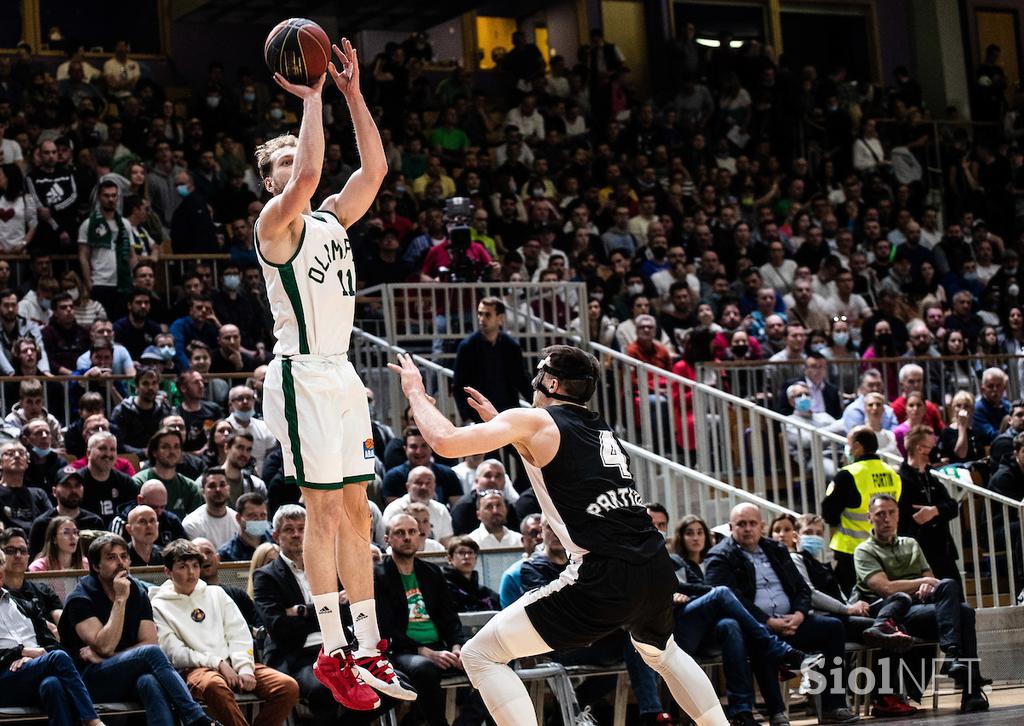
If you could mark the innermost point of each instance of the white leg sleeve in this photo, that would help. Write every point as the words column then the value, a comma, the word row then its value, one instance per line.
column 508, row 635
column 686, row 680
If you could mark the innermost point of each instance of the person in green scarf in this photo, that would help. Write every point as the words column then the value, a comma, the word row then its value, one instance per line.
column 105, row 252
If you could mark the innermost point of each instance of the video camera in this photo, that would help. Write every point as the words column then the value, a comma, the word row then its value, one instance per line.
column 458, row 211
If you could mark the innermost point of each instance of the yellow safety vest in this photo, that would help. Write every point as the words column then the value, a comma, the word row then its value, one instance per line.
column 871, row 476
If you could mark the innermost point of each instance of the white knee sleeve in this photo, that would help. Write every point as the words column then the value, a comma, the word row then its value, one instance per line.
column 686, row 680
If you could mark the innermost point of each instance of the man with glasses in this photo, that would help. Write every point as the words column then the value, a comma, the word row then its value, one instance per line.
column 20, row 504
column 242, row 404
column 34, row 594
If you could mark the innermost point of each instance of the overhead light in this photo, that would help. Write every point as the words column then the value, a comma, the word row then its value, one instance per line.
column 713, row 43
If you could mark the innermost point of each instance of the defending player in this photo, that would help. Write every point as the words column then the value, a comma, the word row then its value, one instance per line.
column 314, row 402
column 621, row 574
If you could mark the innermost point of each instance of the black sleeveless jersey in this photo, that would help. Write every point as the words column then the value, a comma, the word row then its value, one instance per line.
column 587, row 493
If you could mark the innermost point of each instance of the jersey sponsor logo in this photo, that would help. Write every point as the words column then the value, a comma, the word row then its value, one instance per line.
column 615, row 499
column 331, row 252
column 368, row 449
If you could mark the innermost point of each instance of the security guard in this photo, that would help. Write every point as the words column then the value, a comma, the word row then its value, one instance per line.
column 845, row 506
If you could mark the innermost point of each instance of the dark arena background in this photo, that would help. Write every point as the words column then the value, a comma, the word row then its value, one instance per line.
column 790, row 231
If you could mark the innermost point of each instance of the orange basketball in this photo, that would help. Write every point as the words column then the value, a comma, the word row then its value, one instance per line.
column 298, row 49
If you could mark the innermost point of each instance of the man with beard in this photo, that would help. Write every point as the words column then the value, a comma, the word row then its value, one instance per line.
column 137, row 330
column 106, row 489
column 64, row 339
column 53, row 185
column 199, row 414
column 108, row 629
column 68, row 492
column 214, row 521
column 164, row 456
column 105, row 251
column 139, row 416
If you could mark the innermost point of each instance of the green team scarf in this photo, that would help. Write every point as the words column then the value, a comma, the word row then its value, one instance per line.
column 99, row 236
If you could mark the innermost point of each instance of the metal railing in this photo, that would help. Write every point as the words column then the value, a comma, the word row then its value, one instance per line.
column 434, row 318
column 788, row 461
column 681, row 489
column 764, row 381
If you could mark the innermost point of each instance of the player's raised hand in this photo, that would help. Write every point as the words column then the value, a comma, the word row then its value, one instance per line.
column 347, row 79
column 300, row 90
column 412, row 381
column 480, row 403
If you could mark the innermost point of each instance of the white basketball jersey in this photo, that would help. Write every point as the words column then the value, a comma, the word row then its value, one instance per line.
column 313, row 295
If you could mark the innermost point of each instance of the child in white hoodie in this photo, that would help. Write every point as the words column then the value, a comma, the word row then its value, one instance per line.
column 205, row 636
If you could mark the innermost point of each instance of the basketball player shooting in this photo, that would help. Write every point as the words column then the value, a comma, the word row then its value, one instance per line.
column 620, row 576
column 314, row 402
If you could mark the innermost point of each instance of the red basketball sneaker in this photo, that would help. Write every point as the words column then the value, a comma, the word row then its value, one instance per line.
column 338, row 674
column 376, row 671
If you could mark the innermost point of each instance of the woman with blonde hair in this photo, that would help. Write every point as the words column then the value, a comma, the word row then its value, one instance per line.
column 264, row 554
column 87, row 310
column 957, row 443
column 62, row 548
column 874, row 411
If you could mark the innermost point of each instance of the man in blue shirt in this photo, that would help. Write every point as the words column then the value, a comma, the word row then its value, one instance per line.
column 992, row 407
column 199, row 324
column 107, row 627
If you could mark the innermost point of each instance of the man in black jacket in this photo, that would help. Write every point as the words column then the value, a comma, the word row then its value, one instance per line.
column 418, row 617
column 285, row 605
column 762, row 575
column 36, row 671
column 824, row 394
column 1001, row 451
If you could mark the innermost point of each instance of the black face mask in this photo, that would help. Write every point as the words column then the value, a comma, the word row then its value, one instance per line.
column 740, row 351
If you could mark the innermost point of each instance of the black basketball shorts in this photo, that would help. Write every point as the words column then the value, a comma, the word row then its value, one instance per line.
column 606, row 595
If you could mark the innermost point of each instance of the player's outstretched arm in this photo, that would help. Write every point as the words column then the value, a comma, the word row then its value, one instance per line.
column 361, row 188
column 515, row 426
column 307, row 163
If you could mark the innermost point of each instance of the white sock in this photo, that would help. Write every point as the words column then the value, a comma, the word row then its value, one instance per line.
column 364, row 621
column 328, row 614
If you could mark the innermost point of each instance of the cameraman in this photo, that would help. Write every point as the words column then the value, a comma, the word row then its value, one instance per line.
column 459, row 259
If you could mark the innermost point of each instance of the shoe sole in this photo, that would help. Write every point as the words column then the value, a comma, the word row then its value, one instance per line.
column 392, row 690
column 339, row 698
column 895, row 643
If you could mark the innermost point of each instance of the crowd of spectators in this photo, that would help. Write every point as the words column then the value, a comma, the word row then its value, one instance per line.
column 751, row 211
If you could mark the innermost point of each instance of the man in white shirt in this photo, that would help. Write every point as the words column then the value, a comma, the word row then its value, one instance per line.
column 847, row 302
column 242, row 402
column 420, row 487
column 204, row 634
column 121, row 73
column 492, row 512
column 215, row 520
column 648, row 213
column 527, row 119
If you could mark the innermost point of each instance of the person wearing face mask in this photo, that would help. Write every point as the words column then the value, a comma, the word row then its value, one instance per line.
column 242, row 403
column 800, row 440
column 846, row 501
column 37, row 305
column 192, row 227
column 232, row 304
column 44, row 463
column 253, row 529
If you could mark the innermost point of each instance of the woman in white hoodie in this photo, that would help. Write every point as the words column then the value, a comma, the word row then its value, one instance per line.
column 205, row 636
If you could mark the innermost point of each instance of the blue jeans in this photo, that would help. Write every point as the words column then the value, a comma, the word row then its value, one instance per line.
column 51, row 680
column 144, row 674
column 719, row 618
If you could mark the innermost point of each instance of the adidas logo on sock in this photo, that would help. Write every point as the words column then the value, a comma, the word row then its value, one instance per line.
column 323, row 611
column 362, row 616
